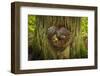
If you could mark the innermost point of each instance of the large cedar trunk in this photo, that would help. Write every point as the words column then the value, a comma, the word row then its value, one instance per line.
column 41, row 45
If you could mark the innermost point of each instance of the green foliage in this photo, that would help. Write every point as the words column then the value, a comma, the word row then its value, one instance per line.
column 84, row 36
column 84, row 26
column 31, row 28
column 31, row 23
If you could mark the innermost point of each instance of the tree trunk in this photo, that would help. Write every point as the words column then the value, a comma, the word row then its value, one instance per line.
column 41, row 40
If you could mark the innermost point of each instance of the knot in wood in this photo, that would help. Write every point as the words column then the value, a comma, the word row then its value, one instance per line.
column 58, row 37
